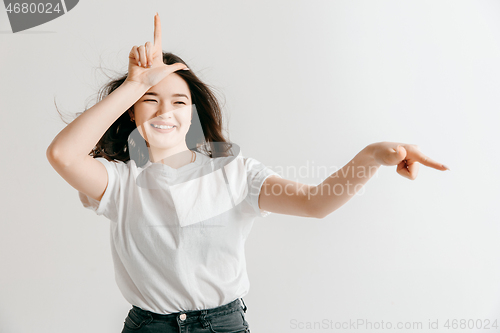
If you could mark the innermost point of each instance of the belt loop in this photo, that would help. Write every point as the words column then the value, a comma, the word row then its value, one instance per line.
column 203, row 321
column 244, row 305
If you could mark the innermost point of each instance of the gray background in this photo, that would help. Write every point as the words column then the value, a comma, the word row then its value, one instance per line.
column 304, row 84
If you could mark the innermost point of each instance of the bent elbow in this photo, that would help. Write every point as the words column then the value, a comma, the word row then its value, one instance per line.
column 50, row 154
column 316, row 213
column 320, row 216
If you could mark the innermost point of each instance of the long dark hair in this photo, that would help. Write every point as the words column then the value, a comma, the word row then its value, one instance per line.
column 114, row 144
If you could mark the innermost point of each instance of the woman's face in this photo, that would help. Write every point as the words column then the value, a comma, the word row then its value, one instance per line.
column 168, row 102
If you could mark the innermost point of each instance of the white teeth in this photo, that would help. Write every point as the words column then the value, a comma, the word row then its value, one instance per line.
column 162, row 126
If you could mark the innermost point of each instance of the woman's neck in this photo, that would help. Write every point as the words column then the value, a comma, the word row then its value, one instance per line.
column 174, row 159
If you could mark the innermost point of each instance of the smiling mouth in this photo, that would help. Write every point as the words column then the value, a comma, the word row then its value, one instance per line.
column 162, row 126
column 163, row 129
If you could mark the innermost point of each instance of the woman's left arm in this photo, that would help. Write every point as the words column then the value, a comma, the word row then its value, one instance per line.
column 283, row 196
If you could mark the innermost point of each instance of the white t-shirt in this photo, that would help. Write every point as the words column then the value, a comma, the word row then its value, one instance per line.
column 177, row 235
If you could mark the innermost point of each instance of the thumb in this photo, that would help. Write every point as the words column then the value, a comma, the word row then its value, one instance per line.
column 169, row 69
column 398, row 155
column 179, row 65
column 173, row 67
column 159, row 73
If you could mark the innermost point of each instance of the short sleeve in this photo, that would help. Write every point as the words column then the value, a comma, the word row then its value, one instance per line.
column 108, row 204
column 257, row 173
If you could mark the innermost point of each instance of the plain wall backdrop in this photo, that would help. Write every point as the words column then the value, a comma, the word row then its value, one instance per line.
column 303, row 84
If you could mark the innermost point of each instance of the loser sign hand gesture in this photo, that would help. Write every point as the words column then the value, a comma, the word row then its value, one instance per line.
column 146, row 65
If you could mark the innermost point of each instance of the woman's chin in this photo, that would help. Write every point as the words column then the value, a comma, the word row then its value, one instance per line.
column 160, row 146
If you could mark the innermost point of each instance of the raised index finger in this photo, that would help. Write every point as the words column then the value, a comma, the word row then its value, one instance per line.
column 157, row 36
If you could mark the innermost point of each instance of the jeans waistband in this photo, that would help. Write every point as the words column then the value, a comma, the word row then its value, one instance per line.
column 195, row 313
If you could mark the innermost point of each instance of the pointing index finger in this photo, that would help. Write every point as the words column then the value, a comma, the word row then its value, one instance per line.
column 428, row 161
column 157, row 34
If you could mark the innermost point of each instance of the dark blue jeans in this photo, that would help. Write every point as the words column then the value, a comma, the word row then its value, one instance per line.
column 229, row 318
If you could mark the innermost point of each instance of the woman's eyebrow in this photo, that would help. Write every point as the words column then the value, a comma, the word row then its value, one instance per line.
column 179, row 95
column 173, row 95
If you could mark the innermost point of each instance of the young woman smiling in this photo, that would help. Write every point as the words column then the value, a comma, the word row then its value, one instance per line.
column 181, row 205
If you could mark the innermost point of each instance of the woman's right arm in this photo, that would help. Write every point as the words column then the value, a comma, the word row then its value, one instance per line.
column 79, row 137
column 69, row 151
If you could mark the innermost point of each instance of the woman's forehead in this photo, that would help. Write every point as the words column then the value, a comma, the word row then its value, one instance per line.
column 172, row 84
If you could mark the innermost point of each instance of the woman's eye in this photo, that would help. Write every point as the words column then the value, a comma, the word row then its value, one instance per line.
column 153, row 100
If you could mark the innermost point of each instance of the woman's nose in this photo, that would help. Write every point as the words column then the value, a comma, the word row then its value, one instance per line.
column 165, row 112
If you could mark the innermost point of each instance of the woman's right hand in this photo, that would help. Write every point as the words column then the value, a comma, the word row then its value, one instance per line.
column 146, row 65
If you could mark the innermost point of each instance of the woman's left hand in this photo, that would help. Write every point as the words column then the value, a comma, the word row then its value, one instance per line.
column 406, row 156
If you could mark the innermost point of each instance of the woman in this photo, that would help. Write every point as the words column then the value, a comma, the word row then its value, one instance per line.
column 181, row 199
